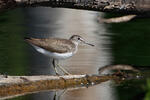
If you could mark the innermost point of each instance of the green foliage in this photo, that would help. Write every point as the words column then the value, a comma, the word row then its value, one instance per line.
column 147, row 97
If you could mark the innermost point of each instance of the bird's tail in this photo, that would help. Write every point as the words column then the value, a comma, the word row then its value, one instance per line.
column 27, row 39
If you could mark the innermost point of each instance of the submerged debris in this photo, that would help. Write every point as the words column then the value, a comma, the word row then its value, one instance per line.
column 117, row 67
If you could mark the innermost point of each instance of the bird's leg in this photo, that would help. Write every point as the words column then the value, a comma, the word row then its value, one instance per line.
column 58, row 96
column 54, row 65
column 62, row 69
column 55, row 95
column 63, row 92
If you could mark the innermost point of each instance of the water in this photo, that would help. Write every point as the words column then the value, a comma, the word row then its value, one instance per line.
column 123, row 43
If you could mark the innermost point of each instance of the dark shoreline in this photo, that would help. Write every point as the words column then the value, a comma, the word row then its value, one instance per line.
column 110, row 7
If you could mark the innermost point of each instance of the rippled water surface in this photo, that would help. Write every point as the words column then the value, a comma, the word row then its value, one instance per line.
column 122, row 43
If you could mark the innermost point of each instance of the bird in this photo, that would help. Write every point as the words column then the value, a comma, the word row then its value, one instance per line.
column 57, row 48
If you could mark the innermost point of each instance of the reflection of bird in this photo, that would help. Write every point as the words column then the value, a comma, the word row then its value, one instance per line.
column 57, row 48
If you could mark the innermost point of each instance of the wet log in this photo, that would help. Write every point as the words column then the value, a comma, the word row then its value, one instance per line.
column 118, row 19
column 19, row 85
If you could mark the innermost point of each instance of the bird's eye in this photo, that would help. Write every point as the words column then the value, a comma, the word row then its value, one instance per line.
column 78, row 38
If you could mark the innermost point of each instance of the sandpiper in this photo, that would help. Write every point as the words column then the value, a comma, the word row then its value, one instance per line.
column 57, row 48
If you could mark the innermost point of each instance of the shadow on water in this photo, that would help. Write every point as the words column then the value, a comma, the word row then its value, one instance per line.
column 122, row 43
column 130, row 45
column 12, row 57
column 131, row 42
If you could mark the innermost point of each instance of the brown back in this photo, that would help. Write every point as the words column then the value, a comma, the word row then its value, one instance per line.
column 53, row 44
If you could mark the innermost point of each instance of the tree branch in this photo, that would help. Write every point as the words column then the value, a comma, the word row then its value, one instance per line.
column 18, row 85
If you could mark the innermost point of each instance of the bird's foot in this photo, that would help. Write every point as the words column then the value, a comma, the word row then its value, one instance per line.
column 67, row 73
column 63, row 70
column 57, row 74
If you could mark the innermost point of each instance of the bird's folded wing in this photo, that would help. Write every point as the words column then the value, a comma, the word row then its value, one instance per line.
column 53, row 44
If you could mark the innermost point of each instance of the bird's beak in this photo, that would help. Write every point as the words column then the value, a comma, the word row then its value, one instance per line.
column 88, row 43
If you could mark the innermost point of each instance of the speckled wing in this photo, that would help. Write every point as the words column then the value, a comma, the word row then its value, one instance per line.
column 53, row 44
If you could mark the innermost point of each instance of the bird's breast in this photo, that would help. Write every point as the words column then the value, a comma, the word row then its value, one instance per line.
column 54, row 55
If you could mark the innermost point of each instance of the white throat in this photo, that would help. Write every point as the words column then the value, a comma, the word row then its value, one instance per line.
column 76, row 43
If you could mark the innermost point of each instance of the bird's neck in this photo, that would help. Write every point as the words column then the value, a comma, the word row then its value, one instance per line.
column 75, row 42
column 76, row 45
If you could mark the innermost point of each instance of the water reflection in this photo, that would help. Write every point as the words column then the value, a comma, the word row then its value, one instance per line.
column 63, row 23
column 123, row 43
column 44, row 96
column 12, row 55
column 131, row 46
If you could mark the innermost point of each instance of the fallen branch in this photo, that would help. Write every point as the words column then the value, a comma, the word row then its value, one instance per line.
column 18, row 85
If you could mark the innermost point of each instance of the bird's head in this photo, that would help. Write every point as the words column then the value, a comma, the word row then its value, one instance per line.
column 78, row 39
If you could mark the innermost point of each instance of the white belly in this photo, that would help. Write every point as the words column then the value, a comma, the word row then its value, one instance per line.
column 53, row 54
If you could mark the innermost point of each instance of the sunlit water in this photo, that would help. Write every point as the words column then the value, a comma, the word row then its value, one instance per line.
column 124, row 43
column 64, row 23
